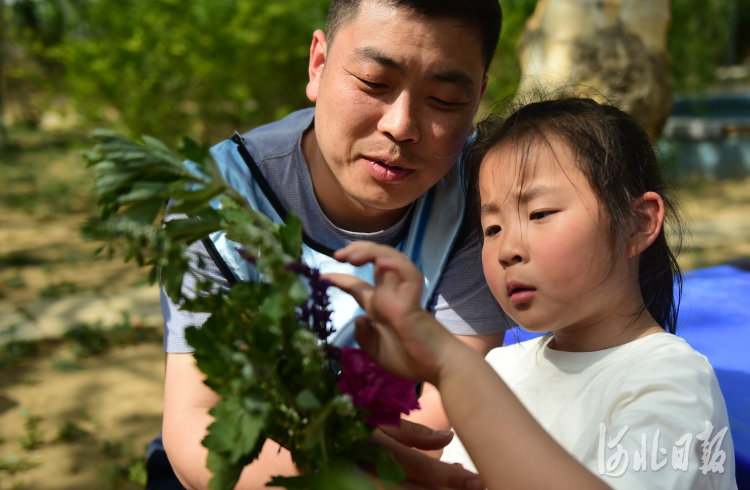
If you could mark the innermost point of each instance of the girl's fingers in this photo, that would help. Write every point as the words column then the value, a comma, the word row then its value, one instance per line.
column 359, row 253
column 360, row 290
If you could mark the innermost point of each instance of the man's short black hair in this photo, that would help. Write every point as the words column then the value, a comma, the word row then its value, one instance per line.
column 485, row 16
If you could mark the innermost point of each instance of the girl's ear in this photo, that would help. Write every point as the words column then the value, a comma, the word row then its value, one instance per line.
column 650, row 210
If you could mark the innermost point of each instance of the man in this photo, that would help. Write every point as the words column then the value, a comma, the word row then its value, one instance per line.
column 396, row 84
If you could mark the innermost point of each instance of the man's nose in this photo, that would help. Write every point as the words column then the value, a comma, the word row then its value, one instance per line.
column 400, row 119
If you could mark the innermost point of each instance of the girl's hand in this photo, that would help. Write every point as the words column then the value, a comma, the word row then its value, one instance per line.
column 397, row 333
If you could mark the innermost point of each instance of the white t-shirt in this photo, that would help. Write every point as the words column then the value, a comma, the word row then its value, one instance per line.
column 657, row 389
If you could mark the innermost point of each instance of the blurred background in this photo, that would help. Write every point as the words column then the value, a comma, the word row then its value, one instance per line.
column 81, row 363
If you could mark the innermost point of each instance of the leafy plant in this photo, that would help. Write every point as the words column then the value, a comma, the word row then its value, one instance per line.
column 263, row 347
column 57, row 290
column 14, row 352
column 70, row 431
column 12, row 464
column 86, row 340
column 15, row 282
column 137, row 472
column 33, row 439
column 114, row 449
column 64, row 365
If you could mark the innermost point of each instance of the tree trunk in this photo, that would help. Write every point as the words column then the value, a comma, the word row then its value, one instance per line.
column 3, row 131
column 610, row 48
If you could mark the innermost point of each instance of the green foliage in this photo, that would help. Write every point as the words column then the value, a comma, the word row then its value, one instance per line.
column 14, row 352
column 191, row 66
column 33, row 439
column 64, row 365
column 269, row 369
column 53, row 291
column 15, row 282
column 137, row 472
column 114, row 449
column 505, row 74
column 12, row 464
column 696, row 42
column 85, row 339
column 70, row 431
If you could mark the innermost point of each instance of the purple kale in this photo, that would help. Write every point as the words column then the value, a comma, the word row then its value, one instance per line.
column 383, row 394
column 315, row 312
column 247, row 256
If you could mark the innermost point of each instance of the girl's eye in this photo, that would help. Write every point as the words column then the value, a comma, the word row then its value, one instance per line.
column 537, row 215
column 492, row 230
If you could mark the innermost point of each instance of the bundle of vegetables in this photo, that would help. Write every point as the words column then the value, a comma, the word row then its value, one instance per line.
column 264, row 347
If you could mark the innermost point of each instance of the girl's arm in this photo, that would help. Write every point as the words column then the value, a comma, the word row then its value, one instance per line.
column 510, row 449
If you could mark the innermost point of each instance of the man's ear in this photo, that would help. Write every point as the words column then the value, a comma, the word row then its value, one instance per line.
column 650, row 210
column 318, row 54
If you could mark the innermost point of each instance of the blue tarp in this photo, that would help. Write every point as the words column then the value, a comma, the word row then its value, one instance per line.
column 715, row 320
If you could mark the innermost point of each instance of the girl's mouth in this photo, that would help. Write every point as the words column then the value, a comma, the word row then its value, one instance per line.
column 519, row 292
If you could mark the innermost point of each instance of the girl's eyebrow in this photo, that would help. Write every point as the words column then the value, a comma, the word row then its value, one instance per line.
column 535, row 191
column 487, row 209
column 531, row 193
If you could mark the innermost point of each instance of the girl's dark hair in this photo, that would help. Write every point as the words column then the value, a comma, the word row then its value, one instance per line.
column 617, row 157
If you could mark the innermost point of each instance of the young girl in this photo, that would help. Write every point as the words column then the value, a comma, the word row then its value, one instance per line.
column 571, row 207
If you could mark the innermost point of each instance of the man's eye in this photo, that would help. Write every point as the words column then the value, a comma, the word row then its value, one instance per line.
column 373, row 85
column 536, row 215
column 492, row 230
column 445, row 103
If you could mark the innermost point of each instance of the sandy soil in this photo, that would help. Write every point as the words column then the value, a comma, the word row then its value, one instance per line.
column 118, row 398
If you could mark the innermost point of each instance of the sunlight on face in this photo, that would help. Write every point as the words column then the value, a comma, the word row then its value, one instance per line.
column 546, row 255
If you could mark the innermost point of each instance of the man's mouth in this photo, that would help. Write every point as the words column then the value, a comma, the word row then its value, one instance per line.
column 386, row 173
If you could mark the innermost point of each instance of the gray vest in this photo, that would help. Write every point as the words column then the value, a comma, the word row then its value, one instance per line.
column 428, row 240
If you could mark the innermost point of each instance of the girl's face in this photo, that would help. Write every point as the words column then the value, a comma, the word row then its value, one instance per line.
column 546, row 255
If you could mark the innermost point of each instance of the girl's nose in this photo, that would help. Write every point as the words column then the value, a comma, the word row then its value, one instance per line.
column 512, row 249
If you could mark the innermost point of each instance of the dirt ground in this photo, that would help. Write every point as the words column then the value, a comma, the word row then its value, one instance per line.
column 117, row 399
column 45, row 195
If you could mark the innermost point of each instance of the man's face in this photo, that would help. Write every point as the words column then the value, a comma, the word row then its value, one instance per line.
column 395, row 96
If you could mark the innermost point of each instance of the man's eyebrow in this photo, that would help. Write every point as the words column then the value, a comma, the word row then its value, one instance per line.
column 372, row 54
column 451, row 76
column 455, row 77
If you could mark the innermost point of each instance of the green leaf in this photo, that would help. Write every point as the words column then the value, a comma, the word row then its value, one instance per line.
column 225, row 473
column 316, row 430
column 331, row 479
column 192, row 150
column 388, row 469
column 236, row 430
column 291, row 236
column 142, row 191
column 146, row 211
column 307, row 400
column 297, row 292
column 191, row 229
column 273, row 306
